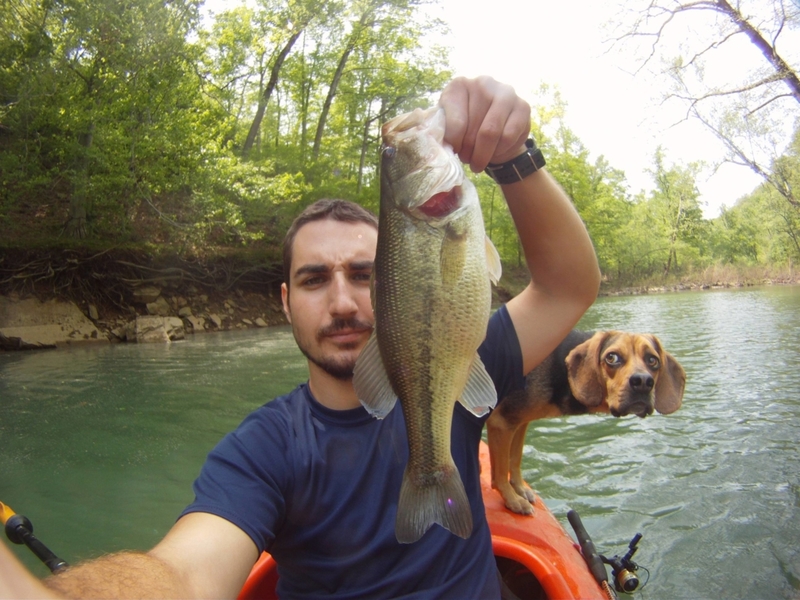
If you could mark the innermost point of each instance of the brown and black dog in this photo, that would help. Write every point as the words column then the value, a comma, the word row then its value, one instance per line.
column 608, row 371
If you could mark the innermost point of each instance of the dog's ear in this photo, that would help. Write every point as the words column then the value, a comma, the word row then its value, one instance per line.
column 583, row 368
column 670, row 382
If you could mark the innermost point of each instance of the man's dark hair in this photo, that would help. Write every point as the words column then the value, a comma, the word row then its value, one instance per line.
column 327, row 208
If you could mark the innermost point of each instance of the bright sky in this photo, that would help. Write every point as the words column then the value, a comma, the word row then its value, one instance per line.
column 560, row 42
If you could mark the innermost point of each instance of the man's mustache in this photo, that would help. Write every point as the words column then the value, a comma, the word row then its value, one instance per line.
column 338, row 325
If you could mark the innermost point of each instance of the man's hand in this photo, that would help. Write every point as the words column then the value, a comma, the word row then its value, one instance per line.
column 486, row 122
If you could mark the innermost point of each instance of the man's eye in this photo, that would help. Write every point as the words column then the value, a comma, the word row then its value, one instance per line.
column 362, row 276
column 312, row 281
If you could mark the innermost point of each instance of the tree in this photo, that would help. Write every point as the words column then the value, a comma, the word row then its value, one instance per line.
column 751, row 107
column 282, row 26
column 675, row 208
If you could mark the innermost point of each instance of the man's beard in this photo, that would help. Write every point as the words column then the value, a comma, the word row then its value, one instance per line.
column 339, row 368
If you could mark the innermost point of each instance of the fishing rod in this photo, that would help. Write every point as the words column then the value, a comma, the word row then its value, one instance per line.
column 623, row 569
column 19, row 530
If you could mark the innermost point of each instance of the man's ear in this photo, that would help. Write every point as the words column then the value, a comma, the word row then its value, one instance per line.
column 285, row 302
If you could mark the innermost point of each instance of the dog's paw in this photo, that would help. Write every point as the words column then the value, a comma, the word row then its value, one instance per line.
column 525, row 492
column 519, row 505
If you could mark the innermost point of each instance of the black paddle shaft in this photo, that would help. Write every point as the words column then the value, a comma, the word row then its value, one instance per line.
column 20, row 531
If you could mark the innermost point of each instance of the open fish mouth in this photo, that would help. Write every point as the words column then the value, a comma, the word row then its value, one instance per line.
column 442, row 204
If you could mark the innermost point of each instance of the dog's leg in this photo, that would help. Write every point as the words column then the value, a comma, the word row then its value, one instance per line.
column 500, row 435
column 517, row 482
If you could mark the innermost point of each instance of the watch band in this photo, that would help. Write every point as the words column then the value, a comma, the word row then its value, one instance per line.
column 517, row 168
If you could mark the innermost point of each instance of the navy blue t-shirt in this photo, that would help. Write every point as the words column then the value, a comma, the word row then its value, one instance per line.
column 318, row 489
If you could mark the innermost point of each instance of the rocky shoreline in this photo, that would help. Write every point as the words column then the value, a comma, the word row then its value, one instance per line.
column 154, row 314
column 168, row 313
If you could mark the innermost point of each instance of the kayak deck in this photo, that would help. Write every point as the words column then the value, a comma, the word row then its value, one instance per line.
column 536, row 557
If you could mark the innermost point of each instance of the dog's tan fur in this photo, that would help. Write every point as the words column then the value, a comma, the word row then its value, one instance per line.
column 608, row 371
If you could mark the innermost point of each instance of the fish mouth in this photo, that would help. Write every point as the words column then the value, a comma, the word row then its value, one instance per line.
column 442, row 204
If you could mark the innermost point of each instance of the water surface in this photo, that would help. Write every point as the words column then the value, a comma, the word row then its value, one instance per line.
column 99, row 445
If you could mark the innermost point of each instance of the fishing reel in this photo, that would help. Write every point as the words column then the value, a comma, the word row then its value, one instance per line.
column 623, row 569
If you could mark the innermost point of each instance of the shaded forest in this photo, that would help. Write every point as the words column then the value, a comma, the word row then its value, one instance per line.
column 150, row 138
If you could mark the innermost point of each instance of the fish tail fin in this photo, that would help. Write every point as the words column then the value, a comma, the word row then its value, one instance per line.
column 438, row 499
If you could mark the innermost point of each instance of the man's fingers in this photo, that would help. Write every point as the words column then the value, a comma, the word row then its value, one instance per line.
column 485, row 121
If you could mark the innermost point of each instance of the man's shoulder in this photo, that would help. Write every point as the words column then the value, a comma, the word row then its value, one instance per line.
column 280, row 410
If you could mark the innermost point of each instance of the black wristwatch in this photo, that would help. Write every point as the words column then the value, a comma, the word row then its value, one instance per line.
column 517, row 168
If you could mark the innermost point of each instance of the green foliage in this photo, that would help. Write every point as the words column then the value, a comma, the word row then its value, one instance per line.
column 127, row 122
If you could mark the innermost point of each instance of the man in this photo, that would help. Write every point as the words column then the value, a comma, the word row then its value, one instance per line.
column 310, row 476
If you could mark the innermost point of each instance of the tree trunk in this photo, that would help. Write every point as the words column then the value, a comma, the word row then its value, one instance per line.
column 366, row 21
column 323, row 117
column 769, row 52
column 79, row 200
column 264, row 100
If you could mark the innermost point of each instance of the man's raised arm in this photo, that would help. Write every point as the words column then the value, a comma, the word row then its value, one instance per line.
column 488, row 123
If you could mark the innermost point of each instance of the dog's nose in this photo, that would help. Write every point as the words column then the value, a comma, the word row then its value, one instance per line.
column 641, row 382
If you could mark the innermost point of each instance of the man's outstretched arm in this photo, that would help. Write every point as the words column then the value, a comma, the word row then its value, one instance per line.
column 203, row 556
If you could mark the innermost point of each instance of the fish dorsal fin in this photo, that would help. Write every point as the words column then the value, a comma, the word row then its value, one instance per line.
column 371, row 382
column 493, row 261
column 479, row 395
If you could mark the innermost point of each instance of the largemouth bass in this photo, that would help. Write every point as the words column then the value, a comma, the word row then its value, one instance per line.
column 431, row 293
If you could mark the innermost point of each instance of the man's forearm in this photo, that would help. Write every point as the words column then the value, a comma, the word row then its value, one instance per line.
column 557, row 247
column 16, row 582
column 562, row 262
column 122, row 575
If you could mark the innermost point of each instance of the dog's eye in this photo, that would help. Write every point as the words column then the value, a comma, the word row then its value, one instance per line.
column 652, row 361
column 613, row 359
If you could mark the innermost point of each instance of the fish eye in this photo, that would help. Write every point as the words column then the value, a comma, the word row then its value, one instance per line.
column 652, row 361
column 389, row 151
column 613, row 359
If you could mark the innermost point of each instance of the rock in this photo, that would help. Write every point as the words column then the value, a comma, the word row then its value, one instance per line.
column 261, row 322
column 195, row 323
column 186, row 311
column 45, row 323
column 216, row 320
column 159, row 308
column 247, row 322
column 146, row 294
column 15, row 343
column 174, row 328
column 93, row 314
column 156, row 329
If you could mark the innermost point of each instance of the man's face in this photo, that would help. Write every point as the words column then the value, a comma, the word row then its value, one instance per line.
column 328, row 303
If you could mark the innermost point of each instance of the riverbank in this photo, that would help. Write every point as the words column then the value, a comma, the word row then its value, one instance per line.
column 54, row 301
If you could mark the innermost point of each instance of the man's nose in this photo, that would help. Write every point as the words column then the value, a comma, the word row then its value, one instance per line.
column 342, row 296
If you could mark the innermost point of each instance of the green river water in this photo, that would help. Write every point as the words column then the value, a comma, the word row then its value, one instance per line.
column 99, row 444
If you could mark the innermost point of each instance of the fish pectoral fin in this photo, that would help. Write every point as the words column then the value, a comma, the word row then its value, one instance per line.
column 371, row 381
column 479, row 395
column 493, row 261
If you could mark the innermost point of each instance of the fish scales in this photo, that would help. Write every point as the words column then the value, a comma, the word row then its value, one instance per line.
column 432, row 298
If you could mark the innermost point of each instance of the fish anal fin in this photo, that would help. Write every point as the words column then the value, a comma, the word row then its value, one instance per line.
column 371, row 383
column 438, row 498
column 479, row 395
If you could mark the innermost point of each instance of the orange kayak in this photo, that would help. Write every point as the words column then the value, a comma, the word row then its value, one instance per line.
column 535, row 555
